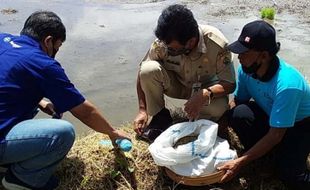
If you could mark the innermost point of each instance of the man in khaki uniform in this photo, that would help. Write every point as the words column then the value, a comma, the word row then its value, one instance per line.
column 186, row 61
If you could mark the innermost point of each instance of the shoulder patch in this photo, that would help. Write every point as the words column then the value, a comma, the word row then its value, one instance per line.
column 226, row 56
column 157, row 51
column 155, row 45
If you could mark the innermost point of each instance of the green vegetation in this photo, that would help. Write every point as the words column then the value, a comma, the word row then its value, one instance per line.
column 268, row 13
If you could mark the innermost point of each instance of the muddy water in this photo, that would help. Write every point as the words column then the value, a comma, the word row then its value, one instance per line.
column 107, row 39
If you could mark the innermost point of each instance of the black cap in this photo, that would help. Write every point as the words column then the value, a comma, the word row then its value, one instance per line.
column 258, row 35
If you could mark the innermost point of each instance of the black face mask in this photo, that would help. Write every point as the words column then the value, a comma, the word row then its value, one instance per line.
column 252, row 69
column 173, row 52
column 54, row 52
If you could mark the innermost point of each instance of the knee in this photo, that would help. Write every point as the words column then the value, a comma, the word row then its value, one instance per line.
column 219, row 111
column 65, row 135
column 293, row 181
column 241, row 113
column 288, row 171
column 149, row 69
column 288, row 176
column 217, row 108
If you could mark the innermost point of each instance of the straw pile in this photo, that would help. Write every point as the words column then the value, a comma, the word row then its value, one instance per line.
column 93, row 166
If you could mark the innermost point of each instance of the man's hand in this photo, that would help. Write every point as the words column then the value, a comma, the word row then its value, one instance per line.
column 231, row 168
column 140, row 122
column 47, row 107
column 118, row 134
column 195, row 104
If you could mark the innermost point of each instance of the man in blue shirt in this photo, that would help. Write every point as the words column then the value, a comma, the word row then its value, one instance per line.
column 271, row 107
column 29, row 76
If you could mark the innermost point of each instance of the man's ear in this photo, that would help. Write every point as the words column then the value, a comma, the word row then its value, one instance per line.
column 47, row 44
column 265, row 55
column 47, row 40
column 191, row 43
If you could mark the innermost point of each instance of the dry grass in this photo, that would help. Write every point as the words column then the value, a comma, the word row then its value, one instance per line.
column 92, row 166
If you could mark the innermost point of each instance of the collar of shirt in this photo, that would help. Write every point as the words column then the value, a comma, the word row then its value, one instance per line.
column 201, row 47
column 27, row 40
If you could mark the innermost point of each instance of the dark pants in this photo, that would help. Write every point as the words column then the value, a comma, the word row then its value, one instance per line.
column 251, row 123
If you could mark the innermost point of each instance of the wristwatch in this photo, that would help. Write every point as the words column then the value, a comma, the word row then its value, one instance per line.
column 211, row 95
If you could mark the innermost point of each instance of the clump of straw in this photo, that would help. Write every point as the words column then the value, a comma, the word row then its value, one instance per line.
column 91, row 166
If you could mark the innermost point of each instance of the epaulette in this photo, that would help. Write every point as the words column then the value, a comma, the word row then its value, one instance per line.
column 216, row 39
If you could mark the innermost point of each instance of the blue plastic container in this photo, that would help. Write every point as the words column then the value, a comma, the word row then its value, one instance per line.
column 124, row 144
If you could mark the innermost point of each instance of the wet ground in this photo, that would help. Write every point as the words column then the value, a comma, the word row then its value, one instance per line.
column 106, row 39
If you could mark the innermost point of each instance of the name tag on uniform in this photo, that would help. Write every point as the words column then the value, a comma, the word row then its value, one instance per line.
column 196, row 87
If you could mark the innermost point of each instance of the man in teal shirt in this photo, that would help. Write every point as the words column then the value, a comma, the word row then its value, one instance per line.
column 271, row 107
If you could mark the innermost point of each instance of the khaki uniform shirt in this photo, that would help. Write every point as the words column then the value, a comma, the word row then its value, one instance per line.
column 208, row 63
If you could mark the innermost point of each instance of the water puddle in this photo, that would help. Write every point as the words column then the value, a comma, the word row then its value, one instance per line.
column 107, row 39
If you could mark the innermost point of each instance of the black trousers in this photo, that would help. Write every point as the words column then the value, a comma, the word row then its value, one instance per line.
column 251, row 123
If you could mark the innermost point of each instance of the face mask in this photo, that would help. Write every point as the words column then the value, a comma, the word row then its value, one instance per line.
column 54, row 52
column 252, row 69
column 173, row 52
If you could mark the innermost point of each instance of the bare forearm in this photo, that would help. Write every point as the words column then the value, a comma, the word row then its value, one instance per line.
column 90, row 116
column 222, row 89
column 141, row 96
column 98, row 123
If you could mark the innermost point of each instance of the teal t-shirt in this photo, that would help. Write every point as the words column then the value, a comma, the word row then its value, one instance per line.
column 285, row 98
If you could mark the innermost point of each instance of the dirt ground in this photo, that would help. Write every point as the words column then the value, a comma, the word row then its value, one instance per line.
column 236, row 7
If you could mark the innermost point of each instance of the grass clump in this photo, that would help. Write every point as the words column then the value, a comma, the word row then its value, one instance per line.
column 268, row 13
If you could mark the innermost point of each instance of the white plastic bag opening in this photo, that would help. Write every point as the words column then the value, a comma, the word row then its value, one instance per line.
column 197, row 158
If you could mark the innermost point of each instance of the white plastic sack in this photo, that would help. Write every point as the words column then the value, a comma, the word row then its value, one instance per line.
column 196, row 158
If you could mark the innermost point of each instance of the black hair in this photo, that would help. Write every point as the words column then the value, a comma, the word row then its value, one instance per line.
column 275, row 50
column 41, row 24
column 176, row 22
column 272, row 50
